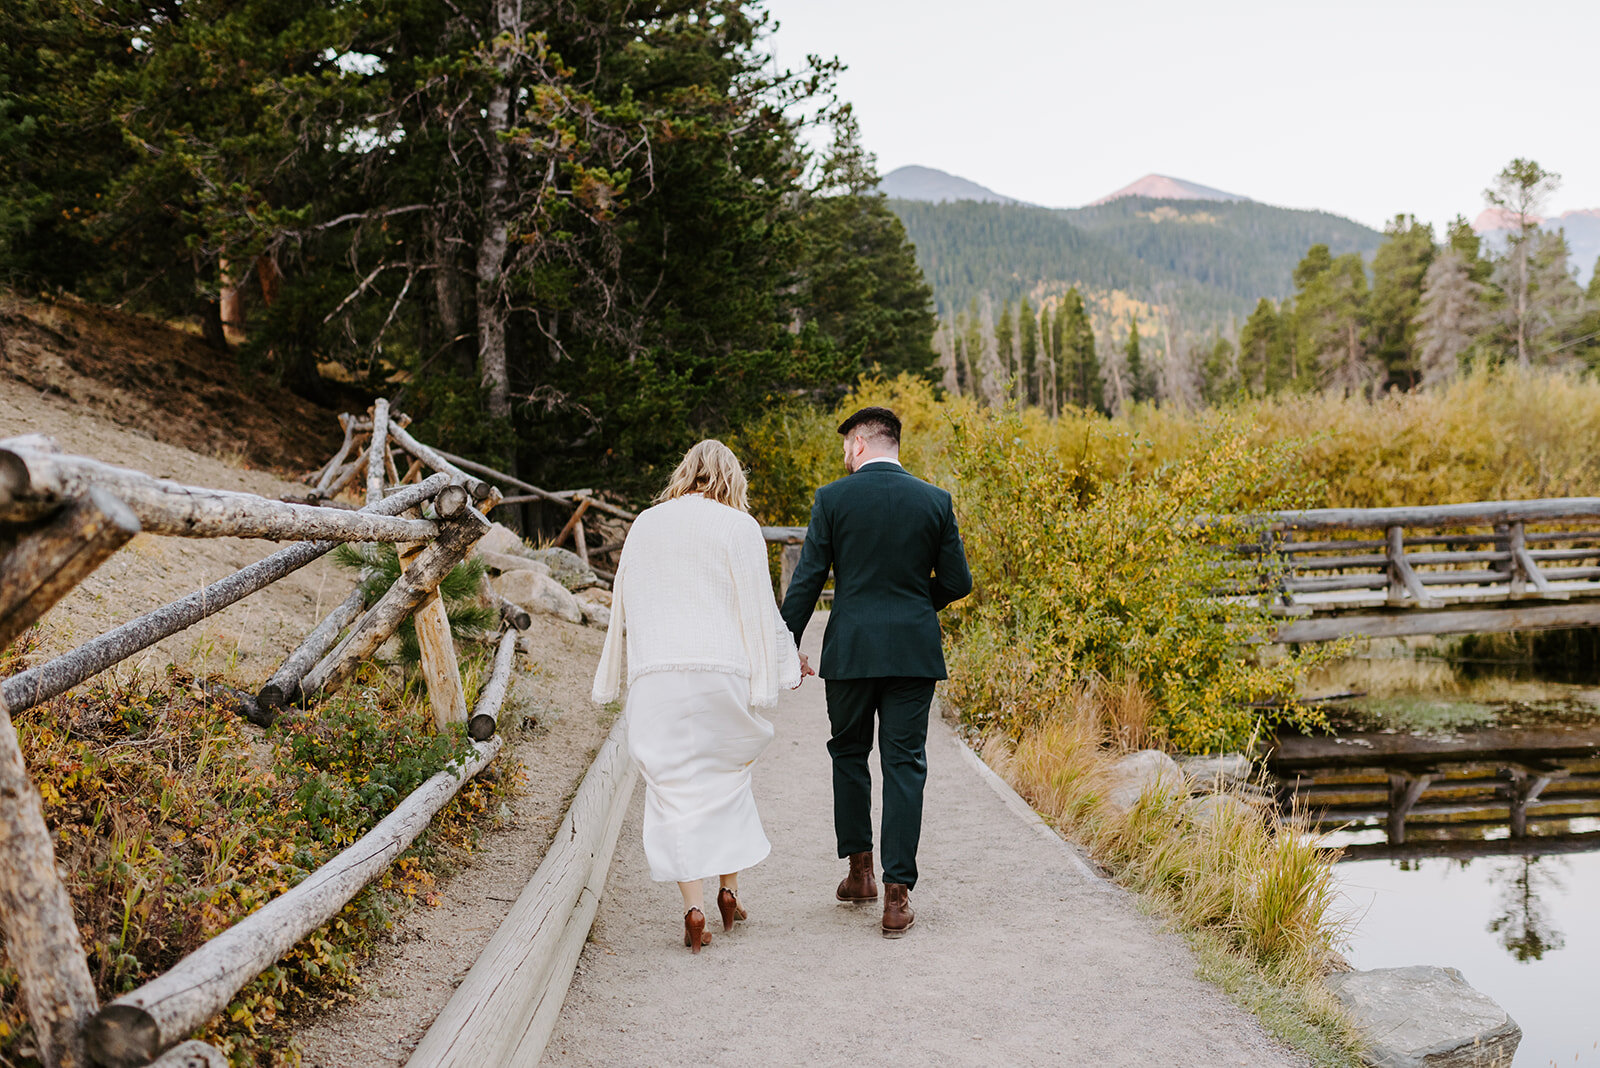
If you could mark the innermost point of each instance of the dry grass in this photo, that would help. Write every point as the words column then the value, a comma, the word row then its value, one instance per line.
column 1247, row 881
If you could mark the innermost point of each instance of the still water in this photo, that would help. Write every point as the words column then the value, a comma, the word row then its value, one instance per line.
column 1523, row 927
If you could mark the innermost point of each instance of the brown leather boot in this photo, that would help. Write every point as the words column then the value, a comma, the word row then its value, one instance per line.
column 859, row 885
column 897, row 914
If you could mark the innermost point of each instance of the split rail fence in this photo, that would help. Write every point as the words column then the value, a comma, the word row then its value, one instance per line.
column 61, row 516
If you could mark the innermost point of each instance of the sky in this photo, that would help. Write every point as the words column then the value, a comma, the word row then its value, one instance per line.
column 1365, row 108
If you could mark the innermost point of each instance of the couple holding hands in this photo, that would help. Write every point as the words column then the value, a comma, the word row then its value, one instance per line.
column 706, row 645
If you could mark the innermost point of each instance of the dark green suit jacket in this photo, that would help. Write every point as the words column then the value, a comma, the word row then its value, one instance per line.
column 892, row 543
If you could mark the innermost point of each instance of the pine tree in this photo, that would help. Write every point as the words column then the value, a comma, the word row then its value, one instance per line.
column 1466, row 243
column 1028, row 354
column 1081, row 383
column 1219, row 372
column 1519, row 191
column 1398, row 268
column 1046, row 373
column 1263, row 345
column 1138, row 378
column 1005, row 341
column 1333, row 311
column 1448, row 317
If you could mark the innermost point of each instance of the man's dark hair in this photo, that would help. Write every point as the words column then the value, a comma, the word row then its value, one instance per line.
column 879, row 423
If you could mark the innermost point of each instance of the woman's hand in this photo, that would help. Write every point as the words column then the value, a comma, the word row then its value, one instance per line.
column 805, row 666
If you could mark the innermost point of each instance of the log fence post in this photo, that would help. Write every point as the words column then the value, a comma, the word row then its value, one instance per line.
column 375, row 452
column 42, row 939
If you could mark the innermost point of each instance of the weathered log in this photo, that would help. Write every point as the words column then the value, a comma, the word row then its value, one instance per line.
column 574, row 521
column 1478, row 513
column 504, row 1010
column 514, row 614
column 534, row 492
column 94, row 656
column 193, row 1054
column 441, row 670
column 325, row 477
column 375, row 452
column 46, row 562
column 456, row 538
column 42, row 940
column 138, row 1026
column 784, row 535
column 284, row 685
column 486, row 716
column 347, row 475
column 437, row 460
column 188, row 511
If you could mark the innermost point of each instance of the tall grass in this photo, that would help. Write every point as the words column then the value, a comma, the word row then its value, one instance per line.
column 1248, row 883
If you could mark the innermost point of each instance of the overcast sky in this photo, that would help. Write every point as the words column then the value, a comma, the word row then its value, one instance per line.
column 1362, row 107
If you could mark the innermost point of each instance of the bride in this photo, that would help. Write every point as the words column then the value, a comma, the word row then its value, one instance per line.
column 693, row 605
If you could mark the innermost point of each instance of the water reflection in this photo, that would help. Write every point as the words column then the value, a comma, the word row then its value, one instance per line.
column 1467, row 802
column 1525, row 926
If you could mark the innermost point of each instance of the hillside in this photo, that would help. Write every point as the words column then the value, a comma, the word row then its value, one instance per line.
column 1209, row 259
column 936, row 186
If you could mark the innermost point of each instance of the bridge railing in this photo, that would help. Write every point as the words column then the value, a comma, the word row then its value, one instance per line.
column 61, row 516
column 1423, row 558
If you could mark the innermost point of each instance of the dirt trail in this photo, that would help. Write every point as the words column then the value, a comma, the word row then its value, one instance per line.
column 1020, row 955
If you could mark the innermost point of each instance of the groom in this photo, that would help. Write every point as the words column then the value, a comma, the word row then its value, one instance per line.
column 896, row 555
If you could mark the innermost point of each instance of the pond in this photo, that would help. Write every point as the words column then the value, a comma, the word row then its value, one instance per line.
column 1465, row 790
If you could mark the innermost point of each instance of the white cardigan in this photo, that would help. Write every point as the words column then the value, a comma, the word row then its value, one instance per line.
column 693, row 593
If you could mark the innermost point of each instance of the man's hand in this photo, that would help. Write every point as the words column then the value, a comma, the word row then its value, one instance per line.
column 805, row 666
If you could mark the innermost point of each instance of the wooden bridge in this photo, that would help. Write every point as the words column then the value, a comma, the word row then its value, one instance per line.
column 1441, row 569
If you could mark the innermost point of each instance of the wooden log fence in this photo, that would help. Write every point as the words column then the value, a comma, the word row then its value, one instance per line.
column 60, row 517
column 136, row 1027
column 505, row 1009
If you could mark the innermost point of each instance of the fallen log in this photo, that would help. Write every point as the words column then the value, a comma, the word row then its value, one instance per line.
column 504, row 1010
column 191, row 512
column 47, row 561
column 456, row 538
column 486, row 716
column 42, row 939
column 138, row 1026
column 92, row 657
column 514, row 614
column 193, row 1054
column 284, row 685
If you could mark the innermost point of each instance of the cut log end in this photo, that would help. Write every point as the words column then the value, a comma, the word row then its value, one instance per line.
column 482, row 727
column 192, row 1054
column 451, row 502
column 122, row 1036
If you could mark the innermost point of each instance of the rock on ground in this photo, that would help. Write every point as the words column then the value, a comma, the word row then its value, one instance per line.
column 502, row 562
column 1138, row 773
column 539, row 593
column 567, row 568
column 503, row 540
column 1206, row 770
column 1214, row 807
column 1426, row 1015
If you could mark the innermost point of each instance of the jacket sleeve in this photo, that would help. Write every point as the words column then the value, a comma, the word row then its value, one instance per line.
column 608, row 674
column 774, row 663
column 805, row 586
column 951, row 578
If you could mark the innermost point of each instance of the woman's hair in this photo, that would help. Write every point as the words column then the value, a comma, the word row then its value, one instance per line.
column 710, row 468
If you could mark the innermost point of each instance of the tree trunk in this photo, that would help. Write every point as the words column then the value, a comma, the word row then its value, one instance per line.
column 211, row 328
column 492, row 309
column 42, row 940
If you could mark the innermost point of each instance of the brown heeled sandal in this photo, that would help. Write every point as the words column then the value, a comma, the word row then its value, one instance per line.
column 732, row 911
column 695, row 935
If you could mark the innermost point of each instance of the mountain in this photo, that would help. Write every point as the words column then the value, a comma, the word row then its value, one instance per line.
column 1161, row 187
column 1582, row 229
column 935, row 186
column 1208, row 260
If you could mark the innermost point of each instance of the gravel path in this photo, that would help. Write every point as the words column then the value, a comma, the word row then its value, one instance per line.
column 1020, row 955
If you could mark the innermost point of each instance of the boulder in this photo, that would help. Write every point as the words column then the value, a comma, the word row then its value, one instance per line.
column 503, row 562
column 597, row 595
column 539, row 593
column 1134, row 774
column 1425, row 1015
column 566, row 567
column 502, row 539
column 1206, row 770
column 596, row 614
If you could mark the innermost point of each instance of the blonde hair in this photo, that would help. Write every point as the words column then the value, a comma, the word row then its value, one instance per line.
column 710, row 468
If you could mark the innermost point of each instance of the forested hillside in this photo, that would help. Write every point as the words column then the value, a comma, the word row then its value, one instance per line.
column 573, row 236
column 1209, row 259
